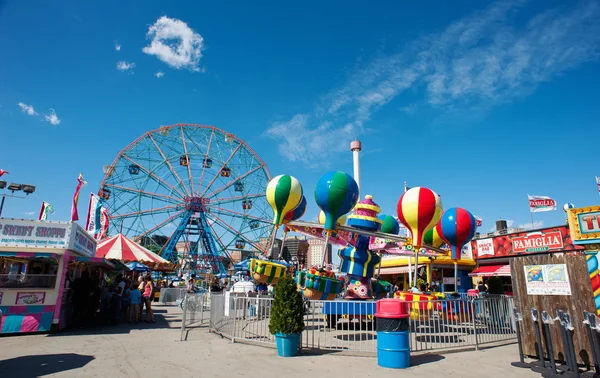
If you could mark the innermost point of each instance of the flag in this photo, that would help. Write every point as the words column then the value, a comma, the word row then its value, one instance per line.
column 478, row 221
column 46, row 210
column 541, row 203
column 103, row 224
column 597, row 183
column 92, row 223
column 80, row 183
column 3, row 172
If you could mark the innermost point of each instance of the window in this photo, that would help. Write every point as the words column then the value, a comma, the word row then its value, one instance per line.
column 27, row 273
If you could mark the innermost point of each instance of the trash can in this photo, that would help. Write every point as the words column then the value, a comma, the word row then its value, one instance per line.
column 393, row 333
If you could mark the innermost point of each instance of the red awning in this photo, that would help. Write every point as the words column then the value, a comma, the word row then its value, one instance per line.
column 491, row 271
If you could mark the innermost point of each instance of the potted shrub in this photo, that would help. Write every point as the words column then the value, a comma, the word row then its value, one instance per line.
column 287, row 316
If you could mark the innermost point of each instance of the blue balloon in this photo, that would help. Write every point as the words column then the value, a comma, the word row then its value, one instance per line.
column 298, row 212
column 457, row 227
column 336, row 194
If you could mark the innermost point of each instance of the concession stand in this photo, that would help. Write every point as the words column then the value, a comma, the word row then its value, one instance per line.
column 34, row 272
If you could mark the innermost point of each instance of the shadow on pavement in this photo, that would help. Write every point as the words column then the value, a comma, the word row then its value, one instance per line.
column 97, row 325
column 41, row 365
column 423, row 359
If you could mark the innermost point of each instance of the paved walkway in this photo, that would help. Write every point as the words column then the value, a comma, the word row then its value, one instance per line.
column 154, row 350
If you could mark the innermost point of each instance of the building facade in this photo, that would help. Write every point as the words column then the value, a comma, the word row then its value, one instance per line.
column 315, row 252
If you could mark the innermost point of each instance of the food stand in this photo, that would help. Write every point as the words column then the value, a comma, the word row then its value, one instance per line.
column 34, row 260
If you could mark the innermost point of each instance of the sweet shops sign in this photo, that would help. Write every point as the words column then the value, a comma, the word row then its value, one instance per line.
column 28, row 233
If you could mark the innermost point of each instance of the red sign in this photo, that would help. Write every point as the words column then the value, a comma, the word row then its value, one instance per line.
column 538, row 242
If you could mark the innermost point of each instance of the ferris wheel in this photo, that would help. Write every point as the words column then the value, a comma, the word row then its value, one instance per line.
column 195, row 193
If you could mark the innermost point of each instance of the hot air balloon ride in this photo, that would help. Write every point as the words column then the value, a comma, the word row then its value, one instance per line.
column 291, row 216
column 457, row 228
column 336, row 194
column 419, row 210
column 284, row 194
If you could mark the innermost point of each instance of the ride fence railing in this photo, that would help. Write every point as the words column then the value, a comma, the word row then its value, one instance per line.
column 350, row 326
column 171, row 295
column 196, row 312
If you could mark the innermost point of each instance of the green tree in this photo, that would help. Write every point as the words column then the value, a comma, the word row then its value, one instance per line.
column 287, row 314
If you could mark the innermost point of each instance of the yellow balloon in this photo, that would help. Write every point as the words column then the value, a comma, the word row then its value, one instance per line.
column 284, row 194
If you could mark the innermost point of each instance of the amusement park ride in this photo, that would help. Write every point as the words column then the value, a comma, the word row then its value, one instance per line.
column 201, row 190
column 192, row 193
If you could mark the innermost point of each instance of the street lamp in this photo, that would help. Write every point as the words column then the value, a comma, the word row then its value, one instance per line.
column 14, row 187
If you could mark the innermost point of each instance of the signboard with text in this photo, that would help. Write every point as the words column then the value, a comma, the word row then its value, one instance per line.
column 584, row 224
column 538, row 242
column 28, row 233
column 551, row 279
column 551, row 239
column 82, row 242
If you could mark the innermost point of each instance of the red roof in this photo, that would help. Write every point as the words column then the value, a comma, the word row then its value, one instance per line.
column 491, row 271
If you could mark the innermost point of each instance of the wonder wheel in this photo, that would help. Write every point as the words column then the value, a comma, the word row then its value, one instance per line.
column 192, row 193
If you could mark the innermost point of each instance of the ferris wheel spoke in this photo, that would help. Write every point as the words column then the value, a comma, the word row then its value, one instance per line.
column 163, row 183
column 219, row 190
column 151, row 195
column 224, row 211
column 166, row 221
column 221, row 201
column 205, row 157
column 160, row 210
column 223, row 166
column 216, row 235
column 173, row 172
column 189, row 168
column 225, row 225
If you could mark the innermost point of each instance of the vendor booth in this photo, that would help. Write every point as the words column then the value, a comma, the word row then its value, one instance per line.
column 34, row 264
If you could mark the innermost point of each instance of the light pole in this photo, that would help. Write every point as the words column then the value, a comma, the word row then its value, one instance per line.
column 25, row 188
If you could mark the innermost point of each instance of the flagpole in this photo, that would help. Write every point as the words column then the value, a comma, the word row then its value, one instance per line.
column 530, row 212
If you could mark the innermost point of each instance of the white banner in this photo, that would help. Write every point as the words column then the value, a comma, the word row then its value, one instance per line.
column 541, row 203
column 90, row 225
column 485, row 247
column 467, row 251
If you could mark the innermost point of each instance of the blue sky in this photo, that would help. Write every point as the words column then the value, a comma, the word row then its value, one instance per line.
column 482, row 101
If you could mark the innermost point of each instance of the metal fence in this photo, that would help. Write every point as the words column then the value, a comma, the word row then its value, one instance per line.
column 171, row 295
column 349, row 326
column 196, row 312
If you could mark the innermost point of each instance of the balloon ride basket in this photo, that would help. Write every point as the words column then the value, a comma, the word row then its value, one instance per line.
column 421, row 306
column 266, row 271
column 319, row 285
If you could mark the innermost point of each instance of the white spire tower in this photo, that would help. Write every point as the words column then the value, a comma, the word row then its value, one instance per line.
column 356, row 147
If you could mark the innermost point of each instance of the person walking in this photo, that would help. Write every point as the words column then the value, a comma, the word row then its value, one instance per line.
column 148, row 289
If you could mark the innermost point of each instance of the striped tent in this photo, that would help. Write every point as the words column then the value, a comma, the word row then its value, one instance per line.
column 121, row 248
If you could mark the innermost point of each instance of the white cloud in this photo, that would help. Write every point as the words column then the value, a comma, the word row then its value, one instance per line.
column 300, row 143
column 175, row 43
column 29, row 212
column 117, row 46
column 532, row 226
column 159, row 74
column 480, row 61
column 27, row 109
column 125, row 66
column 52, row 118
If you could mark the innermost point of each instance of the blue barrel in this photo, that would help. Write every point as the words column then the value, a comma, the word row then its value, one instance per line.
column 393, row 349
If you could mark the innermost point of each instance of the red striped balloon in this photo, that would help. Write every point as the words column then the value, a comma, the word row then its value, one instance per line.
column 419, row 209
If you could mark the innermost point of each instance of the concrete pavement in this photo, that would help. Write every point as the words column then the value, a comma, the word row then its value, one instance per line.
column 154, row 350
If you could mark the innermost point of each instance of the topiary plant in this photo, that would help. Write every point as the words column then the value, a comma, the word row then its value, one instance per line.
column 287, row 313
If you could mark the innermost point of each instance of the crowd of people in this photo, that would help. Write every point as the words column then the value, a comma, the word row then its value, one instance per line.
column 123, row 300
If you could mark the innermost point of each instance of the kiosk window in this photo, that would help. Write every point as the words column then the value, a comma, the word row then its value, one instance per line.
column 27, row 273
